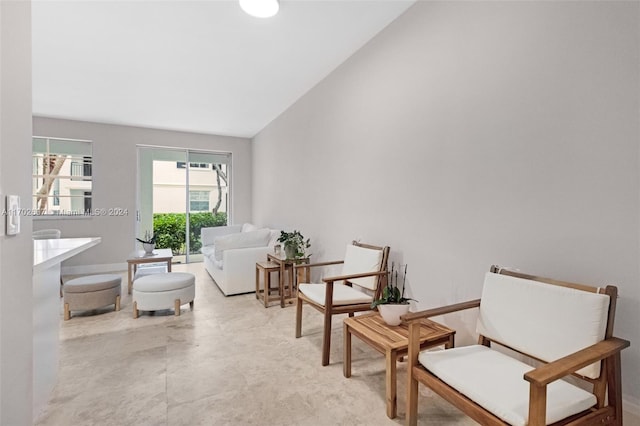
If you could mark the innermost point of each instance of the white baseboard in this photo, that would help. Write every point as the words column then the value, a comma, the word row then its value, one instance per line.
column 94, row 269
column 632, row 408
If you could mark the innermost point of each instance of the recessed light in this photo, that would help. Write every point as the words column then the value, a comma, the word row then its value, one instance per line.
column 260, row 8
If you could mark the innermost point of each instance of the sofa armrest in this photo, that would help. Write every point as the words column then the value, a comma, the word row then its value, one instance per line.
column 564, row 366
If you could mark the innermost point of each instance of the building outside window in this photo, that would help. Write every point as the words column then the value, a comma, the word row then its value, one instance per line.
column 199, row 201
column 183, row 165
column 62, row 176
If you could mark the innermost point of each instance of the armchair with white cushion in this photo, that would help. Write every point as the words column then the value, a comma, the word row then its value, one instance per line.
column 361, row 281
column 562, row 329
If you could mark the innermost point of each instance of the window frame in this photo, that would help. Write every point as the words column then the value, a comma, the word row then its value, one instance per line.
column 62, row 181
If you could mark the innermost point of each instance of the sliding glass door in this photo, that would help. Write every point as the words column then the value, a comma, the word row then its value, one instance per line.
column 179, row 192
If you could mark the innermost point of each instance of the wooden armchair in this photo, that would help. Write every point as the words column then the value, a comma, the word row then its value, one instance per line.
column 566, row 326
column 364, row 267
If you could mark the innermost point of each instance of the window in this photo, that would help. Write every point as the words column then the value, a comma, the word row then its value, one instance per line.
column 62, row 176
column 199, row 201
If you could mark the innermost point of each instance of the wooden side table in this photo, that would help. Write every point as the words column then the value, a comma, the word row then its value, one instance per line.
column 393, row 342
column 287, row 264
column 137, row 258
column 266, row 268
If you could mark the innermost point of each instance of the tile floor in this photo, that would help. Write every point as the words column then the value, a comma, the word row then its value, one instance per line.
column 230, row 361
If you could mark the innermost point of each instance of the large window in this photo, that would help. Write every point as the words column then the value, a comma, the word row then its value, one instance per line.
column 62, row 176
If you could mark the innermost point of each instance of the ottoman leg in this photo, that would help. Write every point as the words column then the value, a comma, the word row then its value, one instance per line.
column 177, row 307
column 117, row 303
column 135, row 310
column 67, row 312
column 191, row 305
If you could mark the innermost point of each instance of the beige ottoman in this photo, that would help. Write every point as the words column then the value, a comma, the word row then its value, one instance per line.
column 91, row 292
column 163, row 291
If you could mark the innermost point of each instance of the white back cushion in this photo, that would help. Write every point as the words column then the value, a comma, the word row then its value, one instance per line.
column 259, row 238
column 360, row 260
column 542, row 320
column 209, row 235
column 248, row 227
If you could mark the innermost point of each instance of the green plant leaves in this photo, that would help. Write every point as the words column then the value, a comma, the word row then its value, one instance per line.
column 169, row 229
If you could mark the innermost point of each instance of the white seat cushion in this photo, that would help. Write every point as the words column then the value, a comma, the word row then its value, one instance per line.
column 342, row 294
column 496, row 382
column 164, row 282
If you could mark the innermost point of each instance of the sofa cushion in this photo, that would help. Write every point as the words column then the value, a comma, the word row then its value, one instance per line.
column 342, row 294
column 248, row 227
column 496, row 382
column 545, row 321
column 258, row 238
column 273, row 238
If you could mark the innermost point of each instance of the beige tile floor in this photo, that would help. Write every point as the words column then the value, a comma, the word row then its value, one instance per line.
column 230, row 361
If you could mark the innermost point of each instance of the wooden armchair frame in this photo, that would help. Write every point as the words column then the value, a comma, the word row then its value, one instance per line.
column 328, row 309
column 607, row 388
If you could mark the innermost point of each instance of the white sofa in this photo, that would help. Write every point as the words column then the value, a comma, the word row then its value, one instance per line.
column 231, row 252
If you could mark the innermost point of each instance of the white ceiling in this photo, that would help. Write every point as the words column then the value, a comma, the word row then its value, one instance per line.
column 200, row 66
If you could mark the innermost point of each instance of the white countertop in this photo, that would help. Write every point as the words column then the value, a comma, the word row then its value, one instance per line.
column 47, row 253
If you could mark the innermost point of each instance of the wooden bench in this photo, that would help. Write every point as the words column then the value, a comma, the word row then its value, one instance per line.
column 562, row 328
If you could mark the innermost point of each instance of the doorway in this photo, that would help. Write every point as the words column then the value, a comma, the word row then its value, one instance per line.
column 179, row 192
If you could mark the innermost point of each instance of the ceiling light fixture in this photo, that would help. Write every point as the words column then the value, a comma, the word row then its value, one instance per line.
column 260, row 8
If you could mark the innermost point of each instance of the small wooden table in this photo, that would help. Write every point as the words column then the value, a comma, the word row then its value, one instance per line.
column 285, row 264
column 266, row 268
column 138, row 257
column 392, row 341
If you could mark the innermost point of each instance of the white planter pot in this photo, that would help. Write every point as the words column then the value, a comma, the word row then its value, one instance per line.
column 148, row 248
column 391, row 313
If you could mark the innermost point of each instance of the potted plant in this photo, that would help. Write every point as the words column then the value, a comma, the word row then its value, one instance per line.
column 295, row 245
column 392, row 303
column 148, row 243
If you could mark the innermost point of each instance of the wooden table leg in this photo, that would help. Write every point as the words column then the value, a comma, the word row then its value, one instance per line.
column 168, row 265
column 346, row 367
column 451, row 343
column 129, row 282
column 390, row 359
column 257, row 282
column 267, row 285
column 281, row 283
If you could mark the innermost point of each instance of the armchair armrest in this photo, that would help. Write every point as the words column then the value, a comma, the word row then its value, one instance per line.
column 313, row 265
column 440, row 310
column 564, row 366
column 353, row 276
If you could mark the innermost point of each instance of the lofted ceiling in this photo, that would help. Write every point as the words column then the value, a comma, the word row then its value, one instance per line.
column 198, row 66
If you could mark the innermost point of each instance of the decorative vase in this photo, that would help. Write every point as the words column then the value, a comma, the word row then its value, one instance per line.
column 290, row 251
column 148, row 248
column 391, row 313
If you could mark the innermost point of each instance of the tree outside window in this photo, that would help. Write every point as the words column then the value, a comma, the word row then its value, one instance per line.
column 62, row 176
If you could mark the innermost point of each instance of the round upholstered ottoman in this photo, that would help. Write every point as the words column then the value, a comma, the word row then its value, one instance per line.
column 163, row 291
column 91, row 292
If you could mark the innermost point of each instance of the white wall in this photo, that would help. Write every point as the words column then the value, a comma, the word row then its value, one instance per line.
column 472, row 133
column 16, row 252
column 114, row 180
